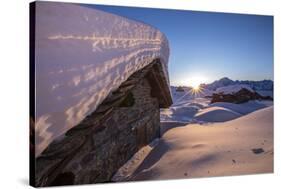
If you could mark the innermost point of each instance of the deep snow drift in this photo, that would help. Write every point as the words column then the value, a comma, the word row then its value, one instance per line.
column 200, row 139
column 82, row 55
column 240, row 146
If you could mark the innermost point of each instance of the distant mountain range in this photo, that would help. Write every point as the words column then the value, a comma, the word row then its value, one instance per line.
column 266, row 85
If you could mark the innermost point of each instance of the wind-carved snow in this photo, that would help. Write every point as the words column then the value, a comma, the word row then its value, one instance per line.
column 82, row 55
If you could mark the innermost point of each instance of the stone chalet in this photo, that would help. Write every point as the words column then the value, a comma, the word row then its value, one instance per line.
column 127, row 120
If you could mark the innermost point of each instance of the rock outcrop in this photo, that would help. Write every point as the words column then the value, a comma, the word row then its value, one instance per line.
column 243, row 95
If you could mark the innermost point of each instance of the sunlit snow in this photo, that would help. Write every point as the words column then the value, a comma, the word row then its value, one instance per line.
column 82, row 55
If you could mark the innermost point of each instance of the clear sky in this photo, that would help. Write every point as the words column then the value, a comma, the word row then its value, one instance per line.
column 209, row 46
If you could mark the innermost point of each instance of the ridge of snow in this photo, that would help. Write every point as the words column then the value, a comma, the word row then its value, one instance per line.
column 81, row 56
column 243, row 108
column 231, row 89
column 266, row 85
column 216, row 114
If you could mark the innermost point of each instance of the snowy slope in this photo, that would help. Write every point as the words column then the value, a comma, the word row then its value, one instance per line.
column 218, row 150
column 82, row 55
column 263, row 85
column 195, row 108
column 225, row 81
column 216, row 114
column 188, row 93
column 243, row 108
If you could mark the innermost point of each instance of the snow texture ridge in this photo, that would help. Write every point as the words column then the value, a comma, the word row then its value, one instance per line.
column 81, row 56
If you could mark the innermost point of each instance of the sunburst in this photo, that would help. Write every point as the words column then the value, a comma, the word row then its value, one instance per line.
column 196, row 90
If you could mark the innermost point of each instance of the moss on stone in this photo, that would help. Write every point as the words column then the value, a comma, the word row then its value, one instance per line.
column 129, row 101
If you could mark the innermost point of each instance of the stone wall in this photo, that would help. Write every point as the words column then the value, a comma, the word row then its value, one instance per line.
column 95, row 149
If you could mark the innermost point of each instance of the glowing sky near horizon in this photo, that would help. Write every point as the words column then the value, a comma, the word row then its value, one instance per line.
column 209, row 46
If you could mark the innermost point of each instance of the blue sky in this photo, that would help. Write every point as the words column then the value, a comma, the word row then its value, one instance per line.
column 209, row 46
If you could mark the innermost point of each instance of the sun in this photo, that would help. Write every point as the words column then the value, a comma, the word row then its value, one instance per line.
column 195, row 86
column 195, row 82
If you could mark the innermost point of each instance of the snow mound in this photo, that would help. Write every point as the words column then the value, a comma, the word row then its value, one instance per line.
column 243, row 108
column 231, row 89
column 216, row 114
column 223, row 149
column 198, row 110
column 189, row 108
column 184, row 113
column 82, row 55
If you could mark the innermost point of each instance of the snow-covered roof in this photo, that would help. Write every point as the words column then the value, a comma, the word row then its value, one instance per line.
column 81, row 56
column 231, row 89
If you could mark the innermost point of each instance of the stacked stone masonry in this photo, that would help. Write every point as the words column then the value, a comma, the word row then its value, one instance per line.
column 95, row 149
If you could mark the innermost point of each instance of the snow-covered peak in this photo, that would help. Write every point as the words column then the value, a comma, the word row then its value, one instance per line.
column 225, row 81
column 231, row 89
column 81, row 56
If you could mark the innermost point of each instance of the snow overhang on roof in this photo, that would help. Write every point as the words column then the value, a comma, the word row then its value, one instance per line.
column 83, row 54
